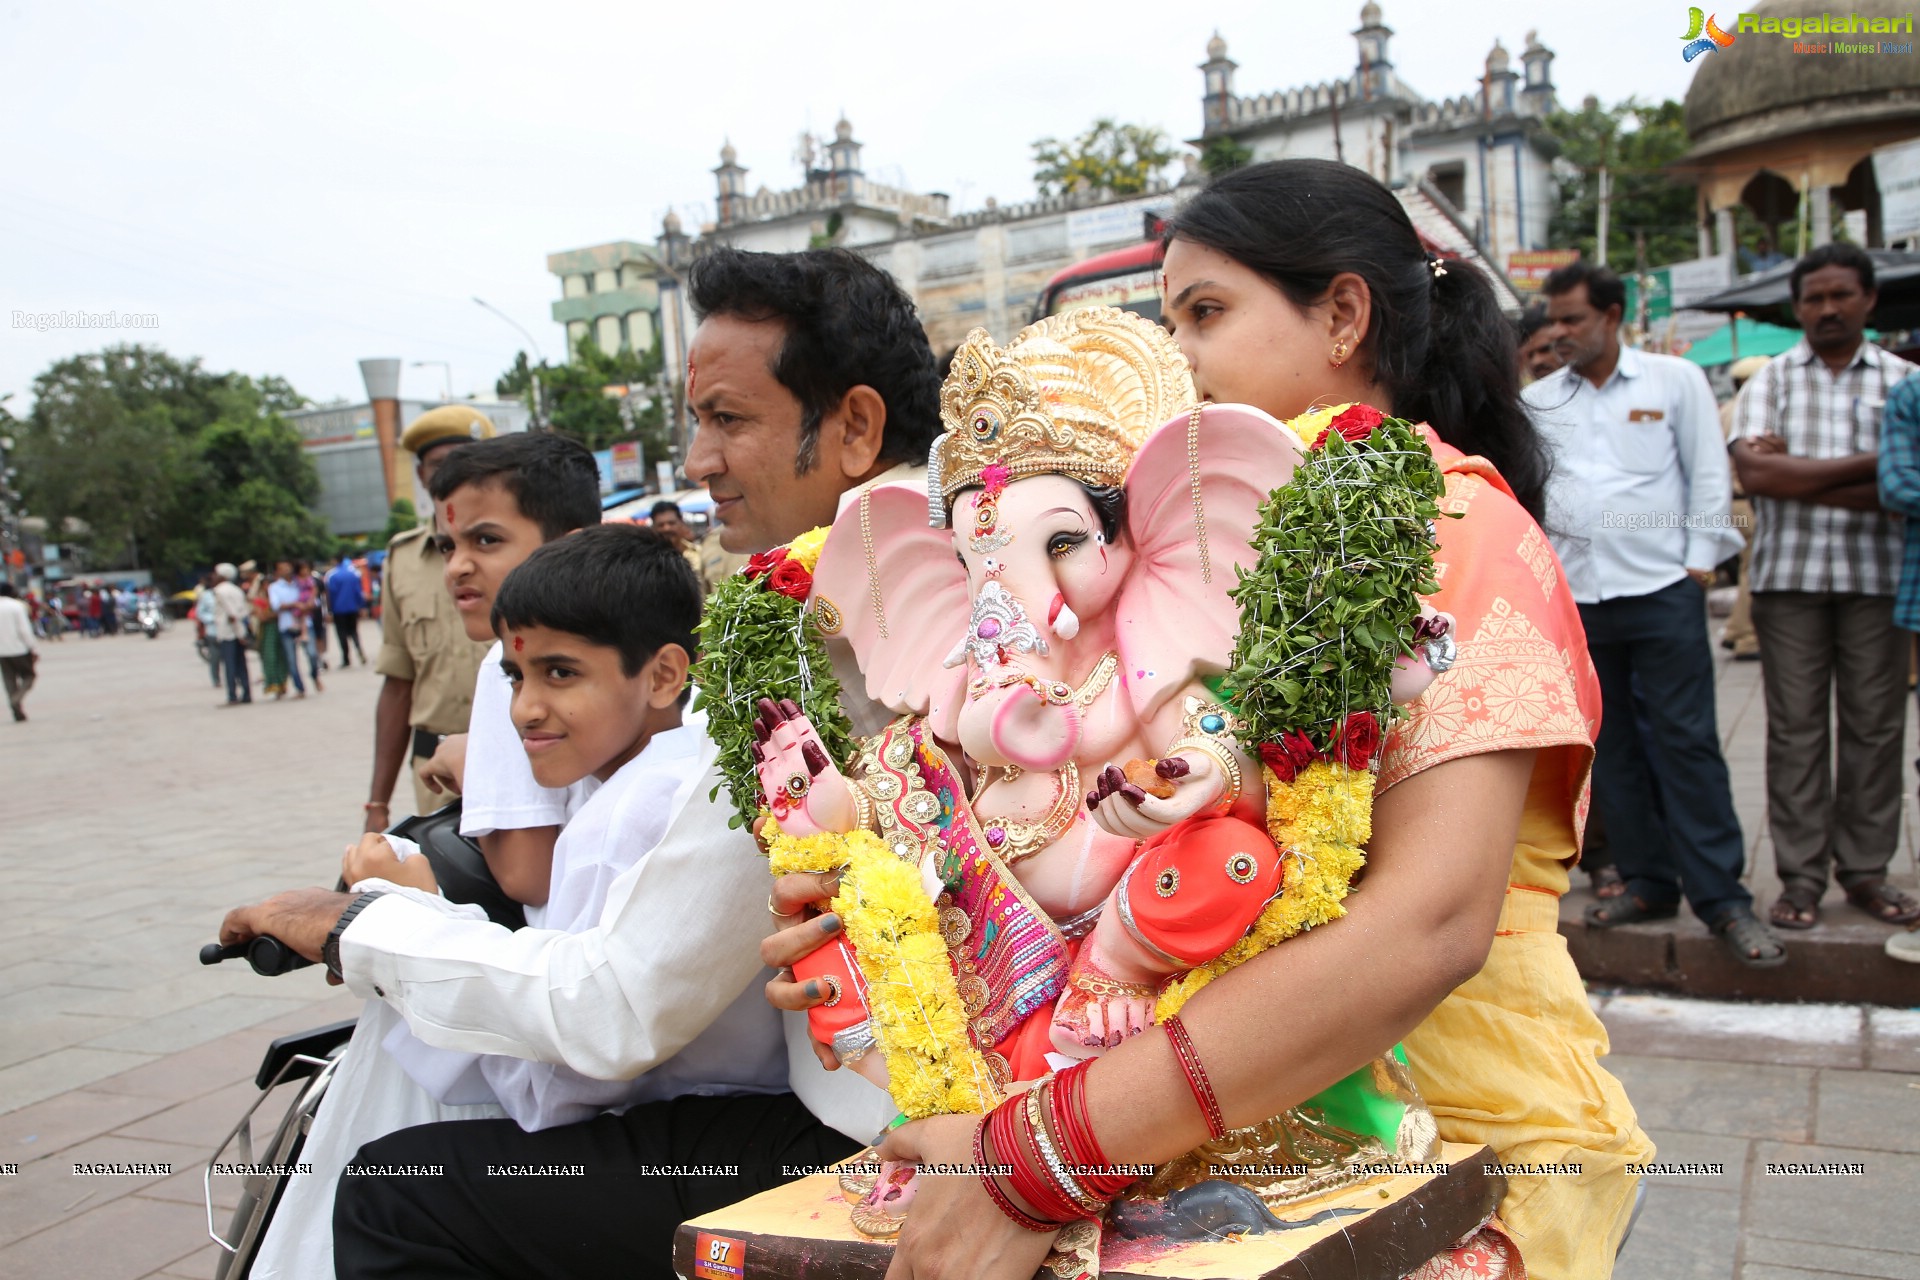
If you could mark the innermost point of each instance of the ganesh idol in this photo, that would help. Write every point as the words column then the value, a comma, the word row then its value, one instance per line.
column 1050, row 624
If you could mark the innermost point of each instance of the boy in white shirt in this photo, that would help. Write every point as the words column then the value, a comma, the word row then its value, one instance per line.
column 598, row 629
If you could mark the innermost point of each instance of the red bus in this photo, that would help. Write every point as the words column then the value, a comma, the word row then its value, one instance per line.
column 1126, row 278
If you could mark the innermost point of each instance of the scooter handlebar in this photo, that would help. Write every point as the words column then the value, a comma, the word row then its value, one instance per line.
column 269, row 956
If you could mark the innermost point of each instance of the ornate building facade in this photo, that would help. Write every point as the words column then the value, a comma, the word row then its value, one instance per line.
column 1486, row 153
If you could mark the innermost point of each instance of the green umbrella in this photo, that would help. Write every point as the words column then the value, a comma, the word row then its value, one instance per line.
column 1756, row 338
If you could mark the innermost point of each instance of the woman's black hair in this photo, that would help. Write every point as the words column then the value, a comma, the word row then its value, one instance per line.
column 1440, row 347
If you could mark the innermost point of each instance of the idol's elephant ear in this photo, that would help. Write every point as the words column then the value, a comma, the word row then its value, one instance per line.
column 1193, row 497
column 899, row 597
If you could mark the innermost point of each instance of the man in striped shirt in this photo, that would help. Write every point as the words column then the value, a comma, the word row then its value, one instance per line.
column 1826, row 567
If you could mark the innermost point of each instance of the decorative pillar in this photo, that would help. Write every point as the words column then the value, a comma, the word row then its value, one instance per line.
column 1822, row 214
column 383, row 390
column 1723, row 231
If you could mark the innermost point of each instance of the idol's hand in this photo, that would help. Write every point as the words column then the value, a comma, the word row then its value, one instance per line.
column 1125, row 810
column 954, row 1232
column 798, row 781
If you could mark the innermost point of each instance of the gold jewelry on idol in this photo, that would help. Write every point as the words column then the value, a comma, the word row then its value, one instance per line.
column 1074, row 395
column 1209, row 728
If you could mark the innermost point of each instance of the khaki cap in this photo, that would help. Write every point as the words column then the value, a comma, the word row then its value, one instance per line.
column 448, row 422
column 1747, row 366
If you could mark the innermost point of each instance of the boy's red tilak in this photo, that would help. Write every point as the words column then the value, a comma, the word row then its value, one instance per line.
column 518, row 644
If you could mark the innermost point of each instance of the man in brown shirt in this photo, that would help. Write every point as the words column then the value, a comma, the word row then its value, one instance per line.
column 428, row 662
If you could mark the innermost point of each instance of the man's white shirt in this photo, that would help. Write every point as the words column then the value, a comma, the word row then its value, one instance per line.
column 1640, row 491
column 16, row 628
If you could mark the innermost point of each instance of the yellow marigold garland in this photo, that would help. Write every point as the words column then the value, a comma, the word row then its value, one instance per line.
column 919, row 1021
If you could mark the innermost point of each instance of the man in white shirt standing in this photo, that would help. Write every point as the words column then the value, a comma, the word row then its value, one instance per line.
column 1826, row 569
column 1638, row 508
column 18, row 656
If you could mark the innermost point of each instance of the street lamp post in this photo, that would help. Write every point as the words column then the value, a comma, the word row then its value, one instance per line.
column 446, row 372
column 539, row 420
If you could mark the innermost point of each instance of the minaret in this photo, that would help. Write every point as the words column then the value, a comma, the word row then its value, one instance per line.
column 843, row 160
column 1375, row 68
column 1536, row 96
column 1217, row 102
column 732, row 182
column 1496, row 88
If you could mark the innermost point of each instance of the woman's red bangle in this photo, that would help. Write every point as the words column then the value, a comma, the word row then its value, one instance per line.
column 1000, row 1199
column 1196, row 1076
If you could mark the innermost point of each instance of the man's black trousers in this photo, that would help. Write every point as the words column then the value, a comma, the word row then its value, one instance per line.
column 490, row 1211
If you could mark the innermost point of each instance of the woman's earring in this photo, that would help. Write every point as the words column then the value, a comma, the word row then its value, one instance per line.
column 1339, row 354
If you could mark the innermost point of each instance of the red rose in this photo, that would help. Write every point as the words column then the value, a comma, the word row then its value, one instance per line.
column 1299, row 748
column 1359, row 740
column 764, row 562
column 1275, row 757
column 791, row 579
column 1358, row 422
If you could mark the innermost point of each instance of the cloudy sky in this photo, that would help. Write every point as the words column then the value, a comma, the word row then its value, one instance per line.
column 292, row 189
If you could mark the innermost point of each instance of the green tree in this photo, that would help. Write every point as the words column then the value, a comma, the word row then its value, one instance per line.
column 1224, row 154
column 576, row 399
column 1635, row 142
column 168, row 464
column 400, row 519
column 1123, row 159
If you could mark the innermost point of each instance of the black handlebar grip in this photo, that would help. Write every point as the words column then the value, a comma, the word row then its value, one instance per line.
column 214, row 953
column 271, row 957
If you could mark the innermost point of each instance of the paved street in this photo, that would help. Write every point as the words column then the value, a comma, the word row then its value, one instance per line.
column 135, row 812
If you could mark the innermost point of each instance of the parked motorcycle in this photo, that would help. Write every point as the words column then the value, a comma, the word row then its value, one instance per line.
column 308, row 1058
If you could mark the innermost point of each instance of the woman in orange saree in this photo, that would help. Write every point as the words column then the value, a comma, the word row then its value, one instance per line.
column 1299, row 283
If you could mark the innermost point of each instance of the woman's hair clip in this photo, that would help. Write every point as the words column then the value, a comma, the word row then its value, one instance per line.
column 1439, row 267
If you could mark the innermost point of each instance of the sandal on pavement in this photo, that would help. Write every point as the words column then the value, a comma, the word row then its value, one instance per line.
column 1797, row 907
column 1884, row 902
column 1750, row 942
column 1607, row 882
column 1627, row 909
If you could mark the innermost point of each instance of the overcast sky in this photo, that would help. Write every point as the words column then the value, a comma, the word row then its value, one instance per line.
column 292, row 189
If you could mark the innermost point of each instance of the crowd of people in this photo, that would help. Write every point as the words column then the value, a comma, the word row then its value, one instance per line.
column 1798, row 486
column 281, row 616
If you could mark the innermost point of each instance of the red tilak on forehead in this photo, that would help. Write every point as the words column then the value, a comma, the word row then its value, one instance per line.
column 518, row 644
column 690, row 375
column 450, row 516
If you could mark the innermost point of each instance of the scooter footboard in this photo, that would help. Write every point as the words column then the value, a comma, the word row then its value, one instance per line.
column 264, row 1176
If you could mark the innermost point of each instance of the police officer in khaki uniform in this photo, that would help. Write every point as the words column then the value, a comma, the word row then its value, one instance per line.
column 428, row 662
column 715, row 561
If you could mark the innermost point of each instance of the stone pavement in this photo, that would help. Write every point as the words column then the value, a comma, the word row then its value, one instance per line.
column 1839, row 959
column 135, row 813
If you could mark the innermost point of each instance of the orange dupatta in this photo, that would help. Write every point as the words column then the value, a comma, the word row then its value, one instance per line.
column 1522, row 679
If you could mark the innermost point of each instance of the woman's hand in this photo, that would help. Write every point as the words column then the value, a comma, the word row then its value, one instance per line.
column 953, row 1231
column 796, row 902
